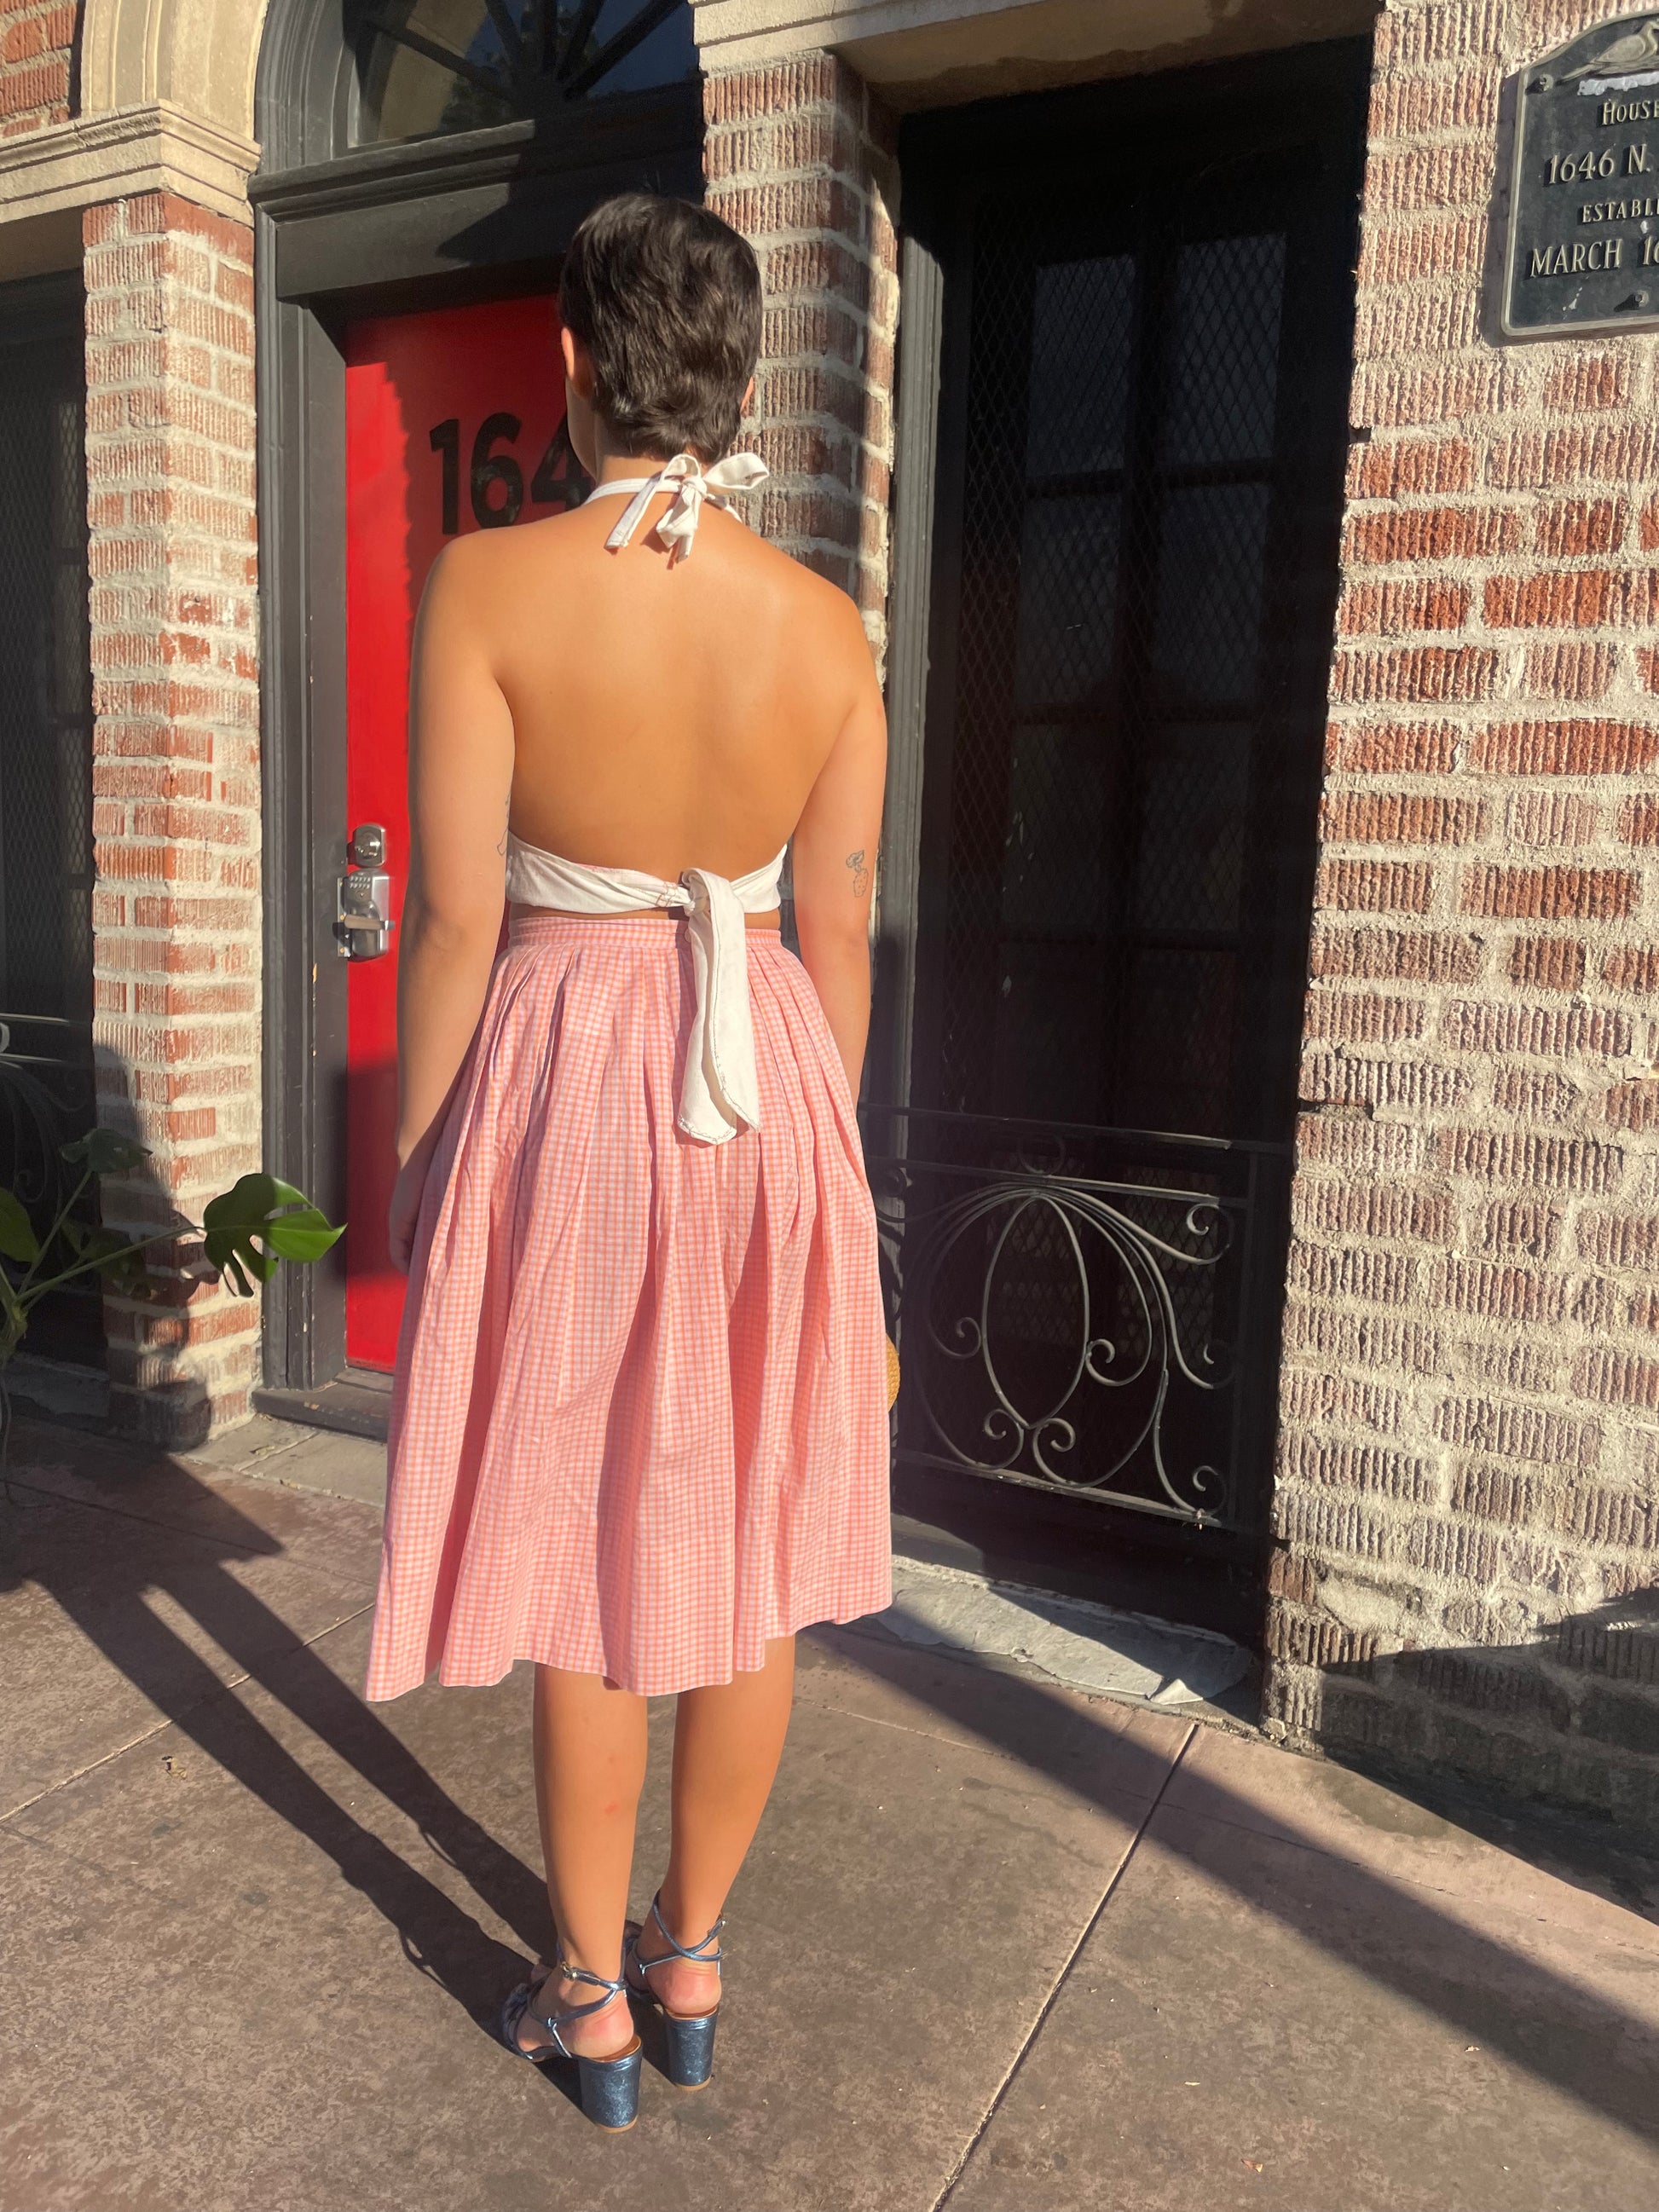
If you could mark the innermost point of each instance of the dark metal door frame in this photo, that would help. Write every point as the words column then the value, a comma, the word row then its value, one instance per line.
column 387, row 228
column 1311, row 103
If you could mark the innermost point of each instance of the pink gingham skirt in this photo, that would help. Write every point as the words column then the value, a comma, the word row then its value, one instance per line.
column 639, row 1420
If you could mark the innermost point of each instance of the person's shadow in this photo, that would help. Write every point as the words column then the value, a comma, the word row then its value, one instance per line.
column 110, row 1606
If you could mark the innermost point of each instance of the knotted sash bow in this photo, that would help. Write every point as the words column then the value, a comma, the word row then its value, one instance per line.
column 720, row 1093
column 691, row 484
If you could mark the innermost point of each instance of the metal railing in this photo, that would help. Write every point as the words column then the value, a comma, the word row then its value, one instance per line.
column 1081, row 1309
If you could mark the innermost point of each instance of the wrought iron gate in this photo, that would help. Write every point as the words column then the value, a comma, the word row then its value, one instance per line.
column 46, row 763
column 1147, row 301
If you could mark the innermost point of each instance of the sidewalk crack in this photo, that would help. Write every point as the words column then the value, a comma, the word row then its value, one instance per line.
column 1059, row 1982
column 162, row 1726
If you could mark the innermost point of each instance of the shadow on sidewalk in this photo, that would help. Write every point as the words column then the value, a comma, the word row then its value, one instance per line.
column 1563, row 2032
column 112, row 1611
column 1560, row 2031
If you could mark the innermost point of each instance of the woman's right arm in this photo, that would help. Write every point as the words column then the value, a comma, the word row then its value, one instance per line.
column 834, row 859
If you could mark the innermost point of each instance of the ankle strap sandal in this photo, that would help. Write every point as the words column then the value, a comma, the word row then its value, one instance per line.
column 610, row 2087
column 690, row 2035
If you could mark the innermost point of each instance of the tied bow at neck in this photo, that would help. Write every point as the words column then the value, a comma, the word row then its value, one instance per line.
column 691, row 484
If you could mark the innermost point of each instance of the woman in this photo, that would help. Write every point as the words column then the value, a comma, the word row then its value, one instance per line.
column 639, row 1433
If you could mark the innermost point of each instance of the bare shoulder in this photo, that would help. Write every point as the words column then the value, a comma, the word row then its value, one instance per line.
column 820, row 616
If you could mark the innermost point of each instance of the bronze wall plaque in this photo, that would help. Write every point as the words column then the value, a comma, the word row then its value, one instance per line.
column 1582, row 250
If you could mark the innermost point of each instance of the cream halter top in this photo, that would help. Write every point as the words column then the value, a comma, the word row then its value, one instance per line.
column 720, row 1094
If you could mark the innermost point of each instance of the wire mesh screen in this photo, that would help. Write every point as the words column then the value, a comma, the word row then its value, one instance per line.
column 1117, row 763
column 1144, row 354
column 45, row 784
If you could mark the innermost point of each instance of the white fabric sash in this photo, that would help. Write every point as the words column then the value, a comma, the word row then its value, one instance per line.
column 720, row 1093
column 692, row 483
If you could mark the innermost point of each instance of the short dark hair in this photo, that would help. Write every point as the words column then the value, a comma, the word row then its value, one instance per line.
column 667, row 299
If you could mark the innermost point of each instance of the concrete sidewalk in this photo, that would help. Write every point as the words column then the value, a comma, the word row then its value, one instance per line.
column 999, row 1946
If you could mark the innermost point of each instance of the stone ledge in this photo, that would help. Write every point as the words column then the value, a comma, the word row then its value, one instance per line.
column 154, row 148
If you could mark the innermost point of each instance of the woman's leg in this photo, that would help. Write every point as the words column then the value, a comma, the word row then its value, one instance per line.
column 590, row 1766
column 727, row 1741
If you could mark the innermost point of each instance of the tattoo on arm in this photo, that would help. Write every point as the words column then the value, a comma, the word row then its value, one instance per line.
column 501, row 844
column 859, row 873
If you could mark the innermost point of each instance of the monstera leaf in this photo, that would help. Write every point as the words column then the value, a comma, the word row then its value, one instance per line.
column 105, row 1152
column 281, row 1219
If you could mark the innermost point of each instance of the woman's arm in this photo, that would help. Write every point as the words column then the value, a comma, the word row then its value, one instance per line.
column 460, row 783
column 834, row 863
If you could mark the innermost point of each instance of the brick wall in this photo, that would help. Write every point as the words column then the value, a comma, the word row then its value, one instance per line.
column 800, row 157
column 1468, row 1505
column 37, row 63
column 176, row 773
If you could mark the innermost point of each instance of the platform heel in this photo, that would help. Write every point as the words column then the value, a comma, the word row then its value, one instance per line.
column 610, row 2087
column 690, row 2035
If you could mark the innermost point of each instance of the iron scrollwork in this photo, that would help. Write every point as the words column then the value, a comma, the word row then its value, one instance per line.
column 1064, row 1329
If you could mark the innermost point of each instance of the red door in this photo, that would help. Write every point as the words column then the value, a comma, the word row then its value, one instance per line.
column 454, row 422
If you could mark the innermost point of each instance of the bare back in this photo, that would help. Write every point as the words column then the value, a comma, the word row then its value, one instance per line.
column 623, row 712
column 663, row 716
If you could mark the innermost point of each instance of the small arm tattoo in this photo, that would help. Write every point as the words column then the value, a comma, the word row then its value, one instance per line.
column 502, row 846
column 860, row 874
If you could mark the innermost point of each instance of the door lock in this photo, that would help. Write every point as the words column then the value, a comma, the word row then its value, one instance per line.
column 362, row 916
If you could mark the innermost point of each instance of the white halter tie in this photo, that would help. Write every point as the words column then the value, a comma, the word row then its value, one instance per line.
column 720, row 1093
column 692, row 483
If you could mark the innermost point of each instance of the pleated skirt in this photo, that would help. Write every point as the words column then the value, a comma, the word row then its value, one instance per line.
column 639, row 1419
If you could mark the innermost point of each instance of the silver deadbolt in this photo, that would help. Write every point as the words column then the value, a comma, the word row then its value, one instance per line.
column 363, row 921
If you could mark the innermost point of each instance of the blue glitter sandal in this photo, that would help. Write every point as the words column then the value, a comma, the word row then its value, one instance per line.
column 610, row 2087
column 690, row 2035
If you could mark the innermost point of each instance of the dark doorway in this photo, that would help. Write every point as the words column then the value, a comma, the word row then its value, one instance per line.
column 1144, row 355
column 45, row 772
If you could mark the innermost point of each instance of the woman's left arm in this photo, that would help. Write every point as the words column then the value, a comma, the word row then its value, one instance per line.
column 460, row 783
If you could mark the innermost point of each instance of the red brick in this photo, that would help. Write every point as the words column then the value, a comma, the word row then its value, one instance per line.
column 1592, row 380
column 1595, row 453
column 1520, row 1156
column 1424, row 176
column 1394, row 818
column 1340, row 1078
column 1508, row 1029
column 1525, row 1225
column 1617, row 1378
column 1392, row 955
column 1395, row 250
column 1619, row 1240
column 1633, row 1105
column 1391, row 610
column 1550, row 816
column 1548, row 893
column 1639, row 820
column 1580, row 525
column 1516, row 1432
column 1384, row 469
column 1433, row 533
column 1583, row 599
column 1569, row 668
column 1391, row 748
column 1375, row 886
column 1565, row 748
column 1418, row 672
column 1632, row 968
column 1389, row 1210
column 1554, row 963
column 1535, row 1097
column 1363, row 1017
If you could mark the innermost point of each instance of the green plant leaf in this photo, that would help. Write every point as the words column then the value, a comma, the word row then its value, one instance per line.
column 106, row 1152
column 117, row 1258
column 282, row 1218
column 17, row 1238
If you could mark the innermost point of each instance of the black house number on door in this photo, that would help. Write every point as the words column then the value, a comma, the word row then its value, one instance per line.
column 494, row 480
